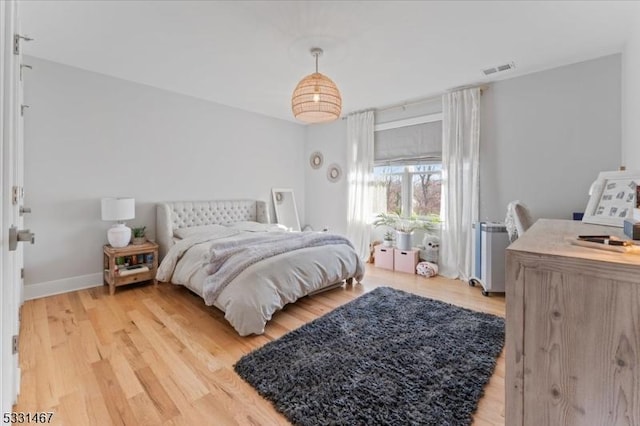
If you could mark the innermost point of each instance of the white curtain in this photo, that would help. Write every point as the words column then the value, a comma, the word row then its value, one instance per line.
column 359, row 175
column 460, row 180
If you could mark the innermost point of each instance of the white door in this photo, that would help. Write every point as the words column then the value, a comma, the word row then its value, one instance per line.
column 11, row 178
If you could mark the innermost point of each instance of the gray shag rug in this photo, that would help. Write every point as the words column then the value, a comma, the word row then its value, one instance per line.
column 385, row 358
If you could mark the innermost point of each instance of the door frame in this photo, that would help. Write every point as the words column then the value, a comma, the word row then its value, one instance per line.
column 10, row 177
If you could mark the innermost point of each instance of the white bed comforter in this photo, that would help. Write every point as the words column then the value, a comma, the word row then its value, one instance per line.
column 261, row 287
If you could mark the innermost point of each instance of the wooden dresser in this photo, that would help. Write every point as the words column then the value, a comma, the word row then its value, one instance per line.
column 573, row 329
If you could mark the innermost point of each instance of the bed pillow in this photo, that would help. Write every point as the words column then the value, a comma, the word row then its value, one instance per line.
column 249, row 226
column 195, row 230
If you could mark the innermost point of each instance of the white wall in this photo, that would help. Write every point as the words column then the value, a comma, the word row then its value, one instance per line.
column 545, row 136
column 326, row 202
column 631, row 99
column 90, row 136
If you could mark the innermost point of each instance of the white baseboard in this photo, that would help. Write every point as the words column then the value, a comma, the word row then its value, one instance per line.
column 65, row 285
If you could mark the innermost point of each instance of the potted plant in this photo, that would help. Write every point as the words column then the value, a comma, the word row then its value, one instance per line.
column 404, row 226
column 138, row 235
column 387, row 240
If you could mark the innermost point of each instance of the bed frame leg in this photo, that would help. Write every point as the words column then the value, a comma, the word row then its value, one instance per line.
column 349, row 281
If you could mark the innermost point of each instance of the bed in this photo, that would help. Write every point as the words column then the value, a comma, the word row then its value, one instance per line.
column 228, row 253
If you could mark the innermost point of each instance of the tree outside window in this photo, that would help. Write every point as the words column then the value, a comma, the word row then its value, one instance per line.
column 408, row 190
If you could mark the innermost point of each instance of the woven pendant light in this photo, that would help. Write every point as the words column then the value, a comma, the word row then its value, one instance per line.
column 316, row 99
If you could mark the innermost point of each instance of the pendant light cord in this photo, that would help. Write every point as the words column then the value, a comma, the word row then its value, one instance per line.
column 316, row 55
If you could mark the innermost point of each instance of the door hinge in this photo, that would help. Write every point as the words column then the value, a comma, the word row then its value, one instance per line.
column 16, row 42
column 22, row 108
column 22, row 273
column 15, row 194
column 14, row 344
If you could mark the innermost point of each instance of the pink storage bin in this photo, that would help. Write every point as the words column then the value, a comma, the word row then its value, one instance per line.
column 384, row 257
column 405, row 260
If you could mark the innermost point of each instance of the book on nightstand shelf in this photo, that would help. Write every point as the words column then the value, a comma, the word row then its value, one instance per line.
column 130, row 270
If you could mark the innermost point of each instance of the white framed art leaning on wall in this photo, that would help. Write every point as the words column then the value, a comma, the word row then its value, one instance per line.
column 613, row 197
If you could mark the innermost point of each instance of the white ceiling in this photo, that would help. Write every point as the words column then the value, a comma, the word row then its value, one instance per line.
column 251, row 54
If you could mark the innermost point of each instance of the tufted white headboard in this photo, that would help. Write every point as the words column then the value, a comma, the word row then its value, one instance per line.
column 173, row 215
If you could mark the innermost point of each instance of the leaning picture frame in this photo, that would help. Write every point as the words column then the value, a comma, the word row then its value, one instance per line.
column 613, row 198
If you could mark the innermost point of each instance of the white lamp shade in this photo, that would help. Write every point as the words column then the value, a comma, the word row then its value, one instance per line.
column 118, row 208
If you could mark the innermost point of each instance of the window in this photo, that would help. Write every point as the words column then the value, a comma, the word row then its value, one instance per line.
column 407, row 190
column 407, row 173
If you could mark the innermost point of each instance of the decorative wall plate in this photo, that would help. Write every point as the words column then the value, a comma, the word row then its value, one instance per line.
column 334, row 173
column 316, row 160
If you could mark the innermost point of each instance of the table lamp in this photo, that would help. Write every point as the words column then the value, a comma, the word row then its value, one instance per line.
column 118, row 209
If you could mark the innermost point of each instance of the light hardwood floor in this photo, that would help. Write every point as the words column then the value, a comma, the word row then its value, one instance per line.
column 158, row 355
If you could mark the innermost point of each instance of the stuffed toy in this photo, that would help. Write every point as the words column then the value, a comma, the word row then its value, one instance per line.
column 372, row 250
column 431, row 245
column 427, row 269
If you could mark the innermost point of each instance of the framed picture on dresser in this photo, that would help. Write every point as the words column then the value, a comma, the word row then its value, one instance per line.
column 613, row 197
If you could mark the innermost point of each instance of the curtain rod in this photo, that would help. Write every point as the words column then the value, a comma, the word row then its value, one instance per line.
column 417, row 102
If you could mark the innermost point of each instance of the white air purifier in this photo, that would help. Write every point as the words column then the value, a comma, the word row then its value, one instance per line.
column 490, row 242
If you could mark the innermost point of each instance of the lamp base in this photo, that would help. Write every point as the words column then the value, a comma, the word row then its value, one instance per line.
column 119, row 235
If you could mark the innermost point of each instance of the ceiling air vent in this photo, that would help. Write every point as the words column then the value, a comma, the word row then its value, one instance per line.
column 499, row 68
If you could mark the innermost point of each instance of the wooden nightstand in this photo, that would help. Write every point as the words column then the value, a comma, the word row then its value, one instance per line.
column 122, row 265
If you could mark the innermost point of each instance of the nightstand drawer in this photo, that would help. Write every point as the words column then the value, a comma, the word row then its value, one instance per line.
column 134, row 278
column 384, row 257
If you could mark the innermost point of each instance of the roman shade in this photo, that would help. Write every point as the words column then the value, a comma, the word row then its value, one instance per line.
column 414, row 144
